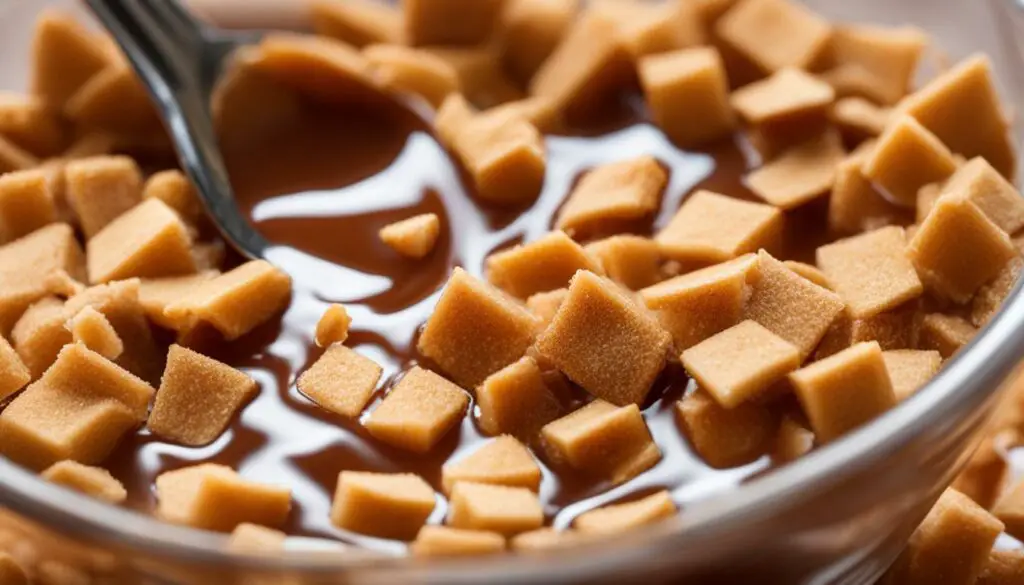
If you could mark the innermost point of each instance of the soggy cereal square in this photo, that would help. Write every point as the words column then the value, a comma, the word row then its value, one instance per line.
column 40, row 333
column 156, row 294
column 516, row 400
column 92, row 481
column 214, row 497
column 724, row 437
column 64, row 56
column 90, row 328
column 385, row 505
column 420, row 409
column 48, row 261
column 502, row 461
column 618, row 518
column 875, row 62
column 787, row 95
column 148, row 240
column 978, row 182
column 505, row 156
column 445, row 541
column 341, row 381
column 906, row 158
column 101, row 188
column 911, row 369
column 774, row 34
column 541, row 266
column 494, row 508
column 26, row 203
column 710, row 228
column 176, row 190
column 612, row 194
column 800, row 174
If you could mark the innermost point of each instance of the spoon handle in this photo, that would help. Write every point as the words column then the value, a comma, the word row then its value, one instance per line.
column 179, row 61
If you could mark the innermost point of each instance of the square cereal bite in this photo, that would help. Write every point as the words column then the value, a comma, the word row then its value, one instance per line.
column 64, row 57
column 156, row 294
column 858, row 118
column 871, row 272
column 444, row 541
column 741, row 363
column 197, row 398
column 723, row 437
column 906, row 158
column 14, row 374
column 602, row 340
column 421, row 73
column 540, row 266
column 632, row 261
column 26, row 203
column 101, row 188
column 148, row 240
column 788, row 98
column 357, row 22
column 418, row 410
column 176, row 190
column 47, row 261
column 40, row 333
column 413, row 237
column 341, row 381
column 618, row 518
column 875, row 62
column 530, row 32
column 494, row 508
column 612, row 195
column 516, row 400
column 945, row 333
column 978, row 181
column 710, row 228
column 450, row 22
column 602, row 440
column 214, row 497
column 910, row 369
column 92, row 481
column 502, row 461
column 855, row 205
column 800, row 174
column 475, row 330
column 774, row 34
column 90, row 328
column 844, row 391
column 894, row 329
column 385, row 505
column 687, row 92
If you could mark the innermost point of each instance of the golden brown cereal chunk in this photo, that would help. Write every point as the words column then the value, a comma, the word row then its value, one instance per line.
column 855, row 204
column 156, row 294
column 481, row 77
column 198, row 397
column 414, row 237
column 495, row 508
column 14, row 158
column 253, row 538
column 695, row 306
column 475, row 330
column 811, row 273
column 945, row 333
column 64, row 56
column 114, row 99
column 544, row 265
column 910, row 369
column 957, row 249
column 530, row 31
column 320, row 67
column 174, row 188
column 341, row 381
column 14, row 374
column 989, row 298
column 588, row 65
column 385, row 505
column 602, row 440
column 895, row 329
column 26, row 203
column 214, row 497
column 357, row 22
column 844, row 391
column 516, row 400
column 1004, row 567
column 404, row 69
column 612, row 194
column 632, row 261
column 875, row 62
column 503, row 461
column 604, row 342
column 147, row 241
column 726, row 437
column 800, row 174
column 101, row 188
column 235, row 302
column 617, row 518
column 420, row 409
column 711, row 228
column 40, row 333
column 967, row 87
column 505, row 156
column 789, row 94
column 91, row 328
column 791, row 306
column 444, row 541
column 333, row 326
column 740, row 363
column 978, row 182
column 450, row 22
column 687, row 92
column 906, row 158
column 774, row 34
column 952, row 545
column 794, row 440
column 859, row 118
column 871, row 272
column 93, row 481
column 26, row 121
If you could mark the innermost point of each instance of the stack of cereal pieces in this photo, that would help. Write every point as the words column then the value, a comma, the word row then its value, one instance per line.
column 786, row 355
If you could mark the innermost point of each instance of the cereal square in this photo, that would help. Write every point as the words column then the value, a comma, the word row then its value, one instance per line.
column 156, row 294
column 494, row 508
column 871, row 272
column 420, row 73
column 26, row 121
column 800, row 174
column 385, row 505
column 695, row 306
column 14, row 374
column 40, row 333
column 253, row 538
column 774, row 34
column 945, row 333
column 711, row 228
column 414, row 237
column 613, row 195
column 989, row 298
column 906, row 158
column 895, row 329
column 504, row 155
column 333, row 326
column 197, row 398
column 875, row 62
column 502, row 461
column 957, row 249
column 855, row 204
column 602, row 440
column 788, row 95
column 92, row 481
column 909, row 370
column 687, row 92
column 604, row 342
column 214, row 497
column 64, row 56
column 341, row 381
column 632, row 261
column 530, row 32
column 541, row 266
column 516, row 400
column 47, row 261
column 26, row 203
column 978, row 182
column 420, row 409
column 357, row 22
column 114, row 100
column 90, row 328
column 176, row 190
column 794, row 440
column 475, row 330
column 545, row 305
column 450, row 22
column 723, row 437
column 858, row 118
column 444, row 541
column 844, row 391
column 81, row 371
column 791, row 306
column 101, row 188
column 149, row 240
column 618, row 518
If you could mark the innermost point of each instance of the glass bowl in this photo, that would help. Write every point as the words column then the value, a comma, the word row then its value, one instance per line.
column 838, row 516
